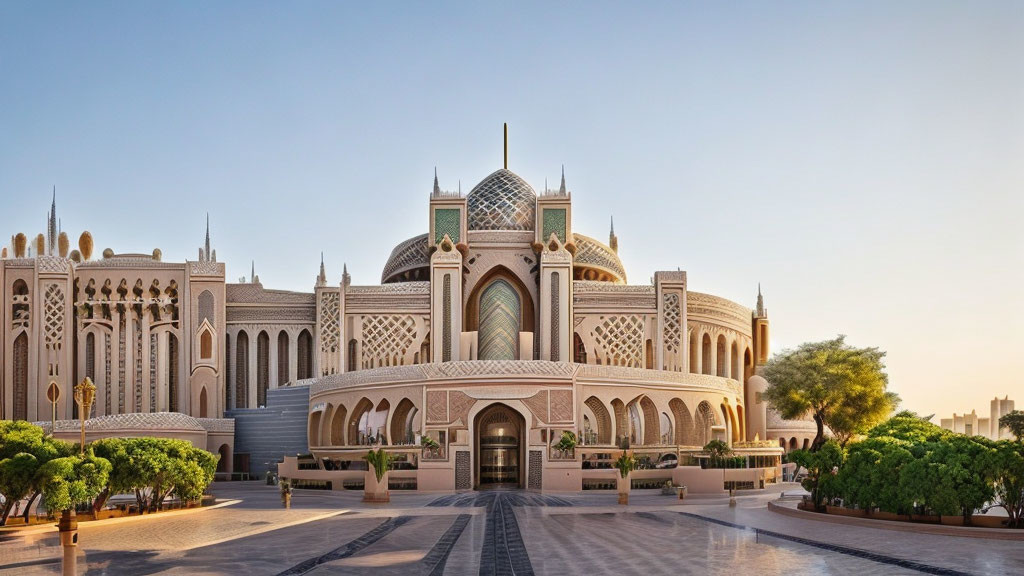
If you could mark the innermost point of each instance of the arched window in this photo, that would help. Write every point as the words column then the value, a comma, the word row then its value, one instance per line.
column 305, row 355
column 734, row 355
column 649, row 353
column 723, row 359
column 242, row 370
column 499, row 322
column 205, row 345
column 635, row 424
column 684, row 422
column 21, row 377
column 694, row 351
column 352, row 355
column 314, row 429
column 704, row 421
column 359, row 423
column 579, row 354
column 705, row 362
column 172, row 373
column 603, row 421
column 666, row 429
column 401, row 423
column 262, row 368
column 338, row 426
column 282, row 358
column 202, row 403
column 206, row 308
column 227, row 372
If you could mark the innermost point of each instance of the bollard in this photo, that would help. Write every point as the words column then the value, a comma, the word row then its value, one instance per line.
column 68, row 528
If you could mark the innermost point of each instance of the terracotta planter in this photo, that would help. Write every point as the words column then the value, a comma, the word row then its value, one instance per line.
column 623, row 485
column 374, row 491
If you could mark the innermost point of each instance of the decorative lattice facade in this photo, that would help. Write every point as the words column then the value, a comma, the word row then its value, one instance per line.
column 621, row 340
column 330, row 331
column 554, row 223
column 447, row 221
column 387, row 340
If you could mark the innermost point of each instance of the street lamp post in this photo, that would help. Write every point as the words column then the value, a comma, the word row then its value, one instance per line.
column 85, row 391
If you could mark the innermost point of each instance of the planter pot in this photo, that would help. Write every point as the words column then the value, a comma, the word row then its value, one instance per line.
column 623, row 485
column 374, row 491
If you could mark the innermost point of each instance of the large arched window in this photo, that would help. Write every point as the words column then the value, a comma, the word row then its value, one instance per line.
column 635, row 424
column 172, row 373
column 262, row 368
column 500, row 310
column 705, row 420
column 21, row 377
column 666, row 429
column 723, row 360
column 305, row 355
column 242, row 370
column 734, row 355
column 205, row 345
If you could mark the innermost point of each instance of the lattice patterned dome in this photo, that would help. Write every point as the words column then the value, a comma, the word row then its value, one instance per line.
column 502, row 201
column 410, row 260
column 594, row 257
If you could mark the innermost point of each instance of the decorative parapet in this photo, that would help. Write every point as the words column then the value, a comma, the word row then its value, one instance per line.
column 206, row 268
column 706, row 307
column 519, row 370
column 226, row 425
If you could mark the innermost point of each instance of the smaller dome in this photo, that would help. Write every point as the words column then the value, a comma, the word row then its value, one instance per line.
column 502, row 201
column 410, row 260
column 594, row 256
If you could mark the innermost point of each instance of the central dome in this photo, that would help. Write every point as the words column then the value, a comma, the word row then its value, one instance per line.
column 502, row 201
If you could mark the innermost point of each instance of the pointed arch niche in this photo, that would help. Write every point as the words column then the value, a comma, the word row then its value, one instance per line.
column 499, row 308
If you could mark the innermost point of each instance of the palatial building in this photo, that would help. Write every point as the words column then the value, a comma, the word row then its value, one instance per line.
column 491, row 334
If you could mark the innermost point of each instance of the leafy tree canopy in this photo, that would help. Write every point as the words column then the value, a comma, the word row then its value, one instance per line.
column 1015, row 422
column 840, row 386
column 72, row 480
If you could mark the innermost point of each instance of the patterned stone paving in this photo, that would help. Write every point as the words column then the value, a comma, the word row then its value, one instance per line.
column 503, row 533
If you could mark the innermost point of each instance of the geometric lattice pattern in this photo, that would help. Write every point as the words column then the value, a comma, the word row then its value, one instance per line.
column 555, row 321
column 673, row 315
column 499, row 322
column 502, row 201
column 622, row 338
column 591, row 253
column 53, row 326
column 447, row 221
column 554, row 223
column 386, row 339
column 413, row 254
column 330, row 322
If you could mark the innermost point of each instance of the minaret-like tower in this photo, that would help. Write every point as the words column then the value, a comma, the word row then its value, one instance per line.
column 759, row 328
column 321, row 279
column 51, row 226
column 613, row 240
column 554, row 242
column 447, row 242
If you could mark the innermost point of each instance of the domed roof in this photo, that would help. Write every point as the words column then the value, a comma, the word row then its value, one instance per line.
column 502, row 201
column 409, row 257
column 592, row 254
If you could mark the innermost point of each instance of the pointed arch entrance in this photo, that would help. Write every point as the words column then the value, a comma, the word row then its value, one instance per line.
column 499, row 443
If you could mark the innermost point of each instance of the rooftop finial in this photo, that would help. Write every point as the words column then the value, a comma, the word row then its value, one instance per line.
column 561, row 189
column 345, row 278
column 437, row 189
column 613, row 240
column 321, row 280
column 252, row 272
column 51, row 224
column 506, row 145
column 206, row 252
column 761, row 313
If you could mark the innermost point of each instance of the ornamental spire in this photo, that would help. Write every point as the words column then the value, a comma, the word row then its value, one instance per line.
column 51, row 224
column 437, row 188
column 613, row 240
column 321, row 280
column 761, row 313
column 561, row 189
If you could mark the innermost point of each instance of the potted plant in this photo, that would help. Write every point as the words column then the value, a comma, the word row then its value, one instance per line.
column 668, row 489
column 566, row 444
column 625, row 464
column 430, row 446
column 376, row 484
column 286, row 493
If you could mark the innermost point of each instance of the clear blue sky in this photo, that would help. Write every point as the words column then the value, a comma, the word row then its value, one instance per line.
column 863, row 161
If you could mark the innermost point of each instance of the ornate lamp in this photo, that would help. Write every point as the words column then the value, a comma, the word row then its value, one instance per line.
column 85, row 392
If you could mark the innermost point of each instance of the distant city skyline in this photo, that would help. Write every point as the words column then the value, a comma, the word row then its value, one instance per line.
column 861, row 162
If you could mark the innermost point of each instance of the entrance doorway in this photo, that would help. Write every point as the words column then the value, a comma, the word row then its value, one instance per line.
column 499, row 448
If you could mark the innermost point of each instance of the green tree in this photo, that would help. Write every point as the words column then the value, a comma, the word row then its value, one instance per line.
column 1014, row 421
column 823, row 466
column 840, row 386
column 72, row 480
column 870, row 477
column 911, row 428
column 153, row 468
column 1006, row 469
column 950, row 477
column 24, row 448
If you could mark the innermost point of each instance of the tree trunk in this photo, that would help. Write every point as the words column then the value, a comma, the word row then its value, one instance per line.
column 100, row 500
column 28, row 506
column 819, row 439
column 8, row 506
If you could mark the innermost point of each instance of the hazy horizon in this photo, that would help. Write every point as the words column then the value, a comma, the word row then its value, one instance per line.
column 862, row 162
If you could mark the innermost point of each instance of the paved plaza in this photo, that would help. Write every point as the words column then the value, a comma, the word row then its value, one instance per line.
column 498, row 533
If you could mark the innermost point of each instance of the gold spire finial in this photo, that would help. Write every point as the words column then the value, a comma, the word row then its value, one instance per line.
column 506, row 145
